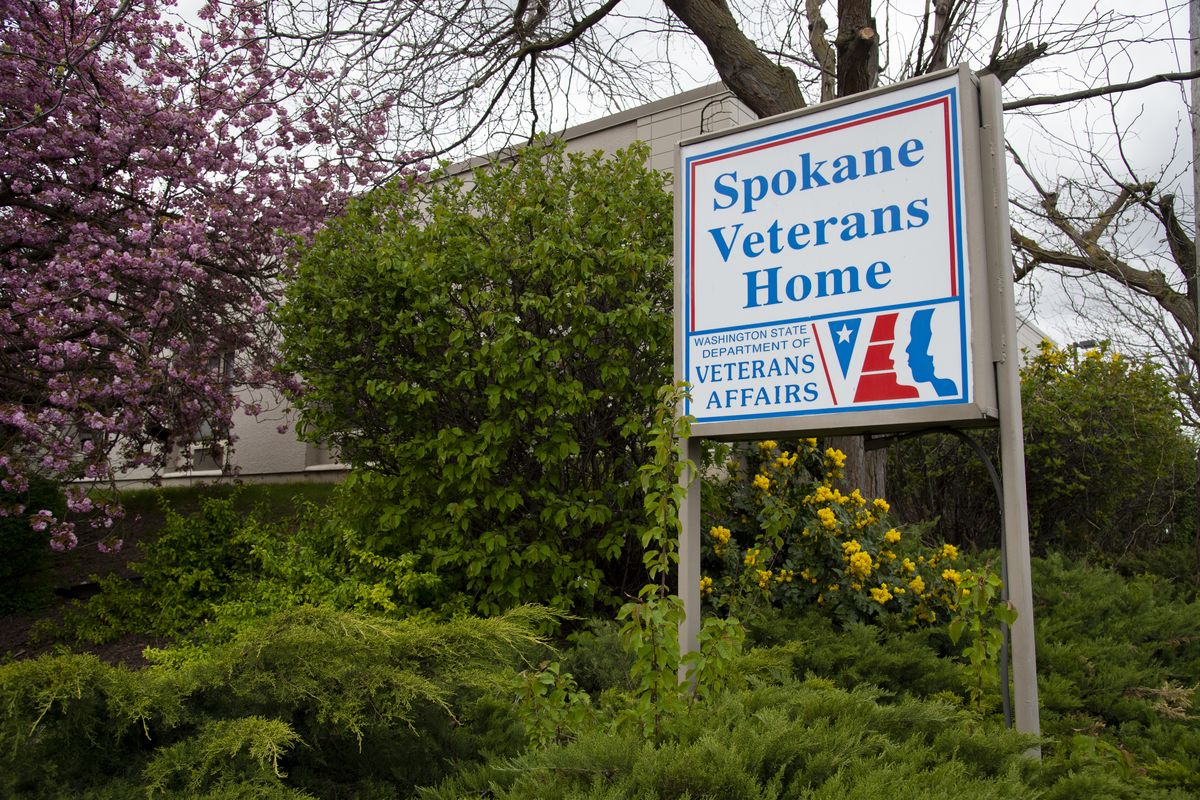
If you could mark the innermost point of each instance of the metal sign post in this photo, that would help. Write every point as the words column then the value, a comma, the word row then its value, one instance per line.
column 1005, row 355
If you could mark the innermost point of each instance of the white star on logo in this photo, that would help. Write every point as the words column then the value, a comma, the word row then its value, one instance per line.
column 844, row 334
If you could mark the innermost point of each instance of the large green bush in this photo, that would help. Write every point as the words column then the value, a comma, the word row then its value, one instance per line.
column 488, row 354
column 1109, row 467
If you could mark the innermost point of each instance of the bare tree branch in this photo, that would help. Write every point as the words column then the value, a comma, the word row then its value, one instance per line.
column 823, row 53
column 1100, row 91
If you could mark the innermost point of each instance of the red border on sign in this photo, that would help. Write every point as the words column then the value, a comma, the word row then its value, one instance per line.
column 943, row 101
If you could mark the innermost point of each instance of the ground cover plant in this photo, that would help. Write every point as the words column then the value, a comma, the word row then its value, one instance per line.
column 313, row 702
column 226, row 564
column 303, row 703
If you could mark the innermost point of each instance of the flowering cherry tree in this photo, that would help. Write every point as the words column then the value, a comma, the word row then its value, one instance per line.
column 153, row 177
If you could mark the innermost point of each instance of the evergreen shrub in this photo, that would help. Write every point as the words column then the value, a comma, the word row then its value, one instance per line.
column 306, row 703
column 792, row 739
column 488, row 355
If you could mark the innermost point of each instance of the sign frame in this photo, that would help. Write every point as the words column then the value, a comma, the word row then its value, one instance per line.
column 994, row 352
column 979, row 408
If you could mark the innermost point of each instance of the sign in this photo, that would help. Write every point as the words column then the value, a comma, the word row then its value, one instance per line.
column 826, row 261
column 837, row 270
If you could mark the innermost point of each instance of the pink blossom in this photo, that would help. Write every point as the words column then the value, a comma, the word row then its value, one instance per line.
column 151, row 192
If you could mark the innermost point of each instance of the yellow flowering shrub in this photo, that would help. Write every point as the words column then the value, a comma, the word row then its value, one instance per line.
column 790, row 536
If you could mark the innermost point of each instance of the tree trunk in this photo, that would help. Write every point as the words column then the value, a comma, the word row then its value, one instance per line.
column 865, row 469
column 765, row 87
column 857, row 46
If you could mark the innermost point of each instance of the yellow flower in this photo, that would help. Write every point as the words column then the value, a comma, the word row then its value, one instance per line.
column 949, row 551
column 811, row 444
column 706, row 585
column 762, row 482
column 769, row 444
column 835, row 457
column 828, row 518
column 851, row 547
column 952, row 576
column 860, row 564
column 785, row 576
column 882, row 505
column 892, row 536
column 908, row 565
column 823, row 494
column 764, row 578
column 751, row 557
column 720, row 533
column 856, row 586
column 881, row 595
column 833, row 587
column 917, row 584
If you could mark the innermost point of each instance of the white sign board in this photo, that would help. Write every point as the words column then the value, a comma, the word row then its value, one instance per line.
column 825, row 268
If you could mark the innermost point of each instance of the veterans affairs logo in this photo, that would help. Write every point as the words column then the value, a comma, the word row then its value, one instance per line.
column 911, row 355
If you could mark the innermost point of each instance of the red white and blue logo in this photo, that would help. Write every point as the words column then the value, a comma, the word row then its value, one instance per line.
column 894, row 357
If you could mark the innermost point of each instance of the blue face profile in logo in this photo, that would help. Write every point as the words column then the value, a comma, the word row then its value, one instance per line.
column 920, row 362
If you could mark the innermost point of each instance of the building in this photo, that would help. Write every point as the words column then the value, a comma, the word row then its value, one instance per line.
column 266, row 448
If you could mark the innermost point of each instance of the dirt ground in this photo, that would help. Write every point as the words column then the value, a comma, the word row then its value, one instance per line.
column 69, row 578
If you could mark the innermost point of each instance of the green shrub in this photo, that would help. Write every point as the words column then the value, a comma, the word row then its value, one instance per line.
column 491, row 354
column 213, row 571
column 23, row 550
column 791, row 740
column 1108, row 465
column 308, row 702
column 1118, row 667
column 788, row 536
column 1119, row 658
